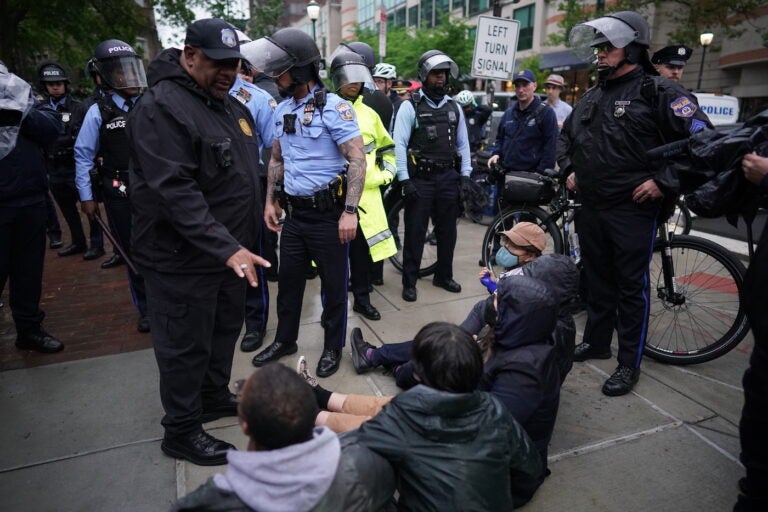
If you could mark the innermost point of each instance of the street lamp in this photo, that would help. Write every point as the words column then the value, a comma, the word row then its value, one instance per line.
column 313, row 11
column 705, row 39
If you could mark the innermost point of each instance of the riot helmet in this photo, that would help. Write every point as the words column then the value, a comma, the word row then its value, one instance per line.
column 435, row 60
column 118, row 65
column 288, row 49
column 364, row 50
column 50, row 71
column 349, row 68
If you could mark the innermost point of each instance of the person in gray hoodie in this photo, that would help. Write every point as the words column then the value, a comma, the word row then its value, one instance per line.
column 289, row 464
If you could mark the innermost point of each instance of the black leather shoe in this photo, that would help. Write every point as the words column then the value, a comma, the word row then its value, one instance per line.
column 378, row 281
column 71, row 250
column 93, row 253
column 142, row 325
column 252, row 341
column 329, row 363
column 55, row 241
column 39, row 341
column 622, row 381
column 221, row 409
column 409, row 294
column 584, row 351
column 115, row 261
column 274, row 352
column 359, row 347
column 449, row 285
column 367, row 310
column 199, row 448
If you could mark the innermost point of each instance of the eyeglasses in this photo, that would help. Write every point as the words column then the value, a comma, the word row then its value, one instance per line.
column 604, row 47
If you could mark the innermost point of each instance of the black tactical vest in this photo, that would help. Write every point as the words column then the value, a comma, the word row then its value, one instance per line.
column 113, row 139
column 60, row 153
column 434, row 133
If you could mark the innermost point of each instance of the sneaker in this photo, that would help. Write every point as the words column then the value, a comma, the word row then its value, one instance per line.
column 303, row 370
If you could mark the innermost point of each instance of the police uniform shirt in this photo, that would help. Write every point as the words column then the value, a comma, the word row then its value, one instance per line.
column 311, row 155
column 405, row 123
column 87, row 146
column 261, row 105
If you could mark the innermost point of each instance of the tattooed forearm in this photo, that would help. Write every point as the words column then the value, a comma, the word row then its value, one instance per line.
column 275, row 170
column 353, row 152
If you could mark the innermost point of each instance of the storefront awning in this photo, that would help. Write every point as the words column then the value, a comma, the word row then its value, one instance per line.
column 563, row 61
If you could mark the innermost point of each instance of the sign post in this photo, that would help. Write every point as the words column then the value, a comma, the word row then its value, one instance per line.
column 495, row 48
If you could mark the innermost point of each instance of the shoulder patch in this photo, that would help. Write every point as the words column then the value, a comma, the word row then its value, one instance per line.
column 245, row 127
column 683, row 107
column 243, row 95
column 345, row 111
column 697, row 125
column 272, row 103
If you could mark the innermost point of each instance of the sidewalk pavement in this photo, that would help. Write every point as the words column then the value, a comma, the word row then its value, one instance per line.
column 84, row 435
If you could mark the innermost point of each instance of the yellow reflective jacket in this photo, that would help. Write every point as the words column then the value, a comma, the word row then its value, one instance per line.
column 380, row 170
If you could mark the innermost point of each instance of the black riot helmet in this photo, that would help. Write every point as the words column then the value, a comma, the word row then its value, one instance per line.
column 118, row 65
column 435, row 60
column 349, row 68
column 364, row 50
column 50, row 71
column 288, row 49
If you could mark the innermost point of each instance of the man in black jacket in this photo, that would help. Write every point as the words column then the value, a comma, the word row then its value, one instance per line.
column 25, row 128
column 195, row 195
column 603, row 143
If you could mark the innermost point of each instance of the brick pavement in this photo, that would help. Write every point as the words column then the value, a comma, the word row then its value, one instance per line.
column 89, row 309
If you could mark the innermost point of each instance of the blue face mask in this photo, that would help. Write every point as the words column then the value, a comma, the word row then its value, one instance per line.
column 505, row 258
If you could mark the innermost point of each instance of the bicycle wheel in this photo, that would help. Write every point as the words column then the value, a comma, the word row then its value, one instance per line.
column 702, row 318
column 397, row 226
column 506, row 220
column 681, row 220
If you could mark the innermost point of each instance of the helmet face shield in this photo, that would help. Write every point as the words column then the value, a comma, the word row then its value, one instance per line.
column 350, row 74
column 267, row 57
column 585, row 36
column 437, row 63
column 122, row 72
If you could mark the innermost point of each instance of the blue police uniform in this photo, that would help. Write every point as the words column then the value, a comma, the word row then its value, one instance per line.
column 114, row 175
column 309, row 144
column 438, row 185
column 261, row 105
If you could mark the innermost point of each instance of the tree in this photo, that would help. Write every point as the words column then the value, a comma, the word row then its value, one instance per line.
column 405, row 46
column 690, row 17
column 265, row 18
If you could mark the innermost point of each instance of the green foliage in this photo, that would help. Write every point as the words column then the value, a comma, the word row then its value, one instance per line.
column 264, row 20
column 533, row 63
column 405, row 45
column 689, row 17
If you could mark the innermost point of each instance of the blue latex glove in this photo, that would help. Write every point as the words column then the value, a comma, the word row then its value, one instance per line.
column 489, row 283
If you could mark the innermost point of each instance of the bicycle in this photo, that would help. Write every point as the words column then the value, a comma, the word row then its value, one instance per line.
column 696, row 313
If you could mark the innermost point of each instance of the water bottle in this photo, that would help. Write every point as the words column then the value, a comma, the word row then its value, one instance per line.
column 573, row 241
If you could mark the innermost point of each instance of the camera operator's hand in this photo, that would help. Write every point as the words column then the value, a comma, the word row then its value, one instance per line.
column 755, row 167
column 409, row 190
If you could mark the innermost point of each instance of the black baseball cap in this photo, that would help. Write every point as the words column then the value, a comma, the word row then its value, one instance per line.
column 216, row 38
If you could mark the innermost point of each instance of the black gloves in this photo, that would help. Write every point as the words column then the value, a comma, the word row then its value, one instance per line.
column 409, row 190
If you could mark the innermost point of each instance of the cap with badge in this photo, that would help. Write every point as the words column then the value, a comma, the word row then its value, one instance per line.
column 400, row 86
column 677, row 55
column 524, row 74
column 216, row 38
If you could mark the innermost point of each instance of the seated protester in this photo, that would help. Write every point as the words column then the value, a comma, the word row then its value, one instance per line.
column 519, row 370
column 520, row 252
column 289, row 464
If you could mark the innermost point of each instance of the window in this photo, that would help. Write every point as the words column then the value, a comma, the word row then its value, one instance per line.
column 525, row 15
column 427, row 9
column 476, row 6
column 413, row 16
column 458, row 4
column 400, row 17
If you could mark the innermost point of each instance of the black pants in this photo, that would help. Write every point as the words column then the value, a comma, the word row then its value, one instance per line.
column 360, row 268
column 52, row 226
column 439, row 199
column 22, row 251
column 309, row 235
column 67, row 197
column 753, row 427
column 195, row 320
column 616, row 247
column 257, row 299
column 119, row 211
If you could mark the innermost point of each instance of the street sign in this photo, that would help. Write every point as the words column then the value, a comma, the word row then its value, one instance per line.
column 495, row 47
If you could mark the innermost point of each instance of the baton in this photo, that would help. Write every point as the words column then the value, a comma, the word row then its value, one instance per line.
column 117, row 246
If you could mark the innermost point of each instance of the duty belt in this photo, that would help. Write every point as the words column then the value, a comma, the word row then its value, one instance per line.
column 302, row 202
column 114, row 174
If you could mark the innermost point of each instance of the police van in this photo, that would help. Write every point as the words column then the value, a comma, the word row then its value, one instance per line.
column 720, row 108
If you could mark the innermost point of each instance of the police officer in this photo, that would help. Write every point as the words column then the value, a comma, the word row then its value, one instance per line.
column 60, row 159
column 316, row 137
column 373, row 97
column 261, row 105
column 432, row 152
column 670, row 61
column 604, row 143
column 195, row 190
column 476, row 117
column 102, row 139
column 374, row 241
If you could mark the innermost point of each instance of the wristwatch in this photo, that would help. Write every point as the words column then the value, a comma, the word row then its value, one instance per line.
column 349, row 208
